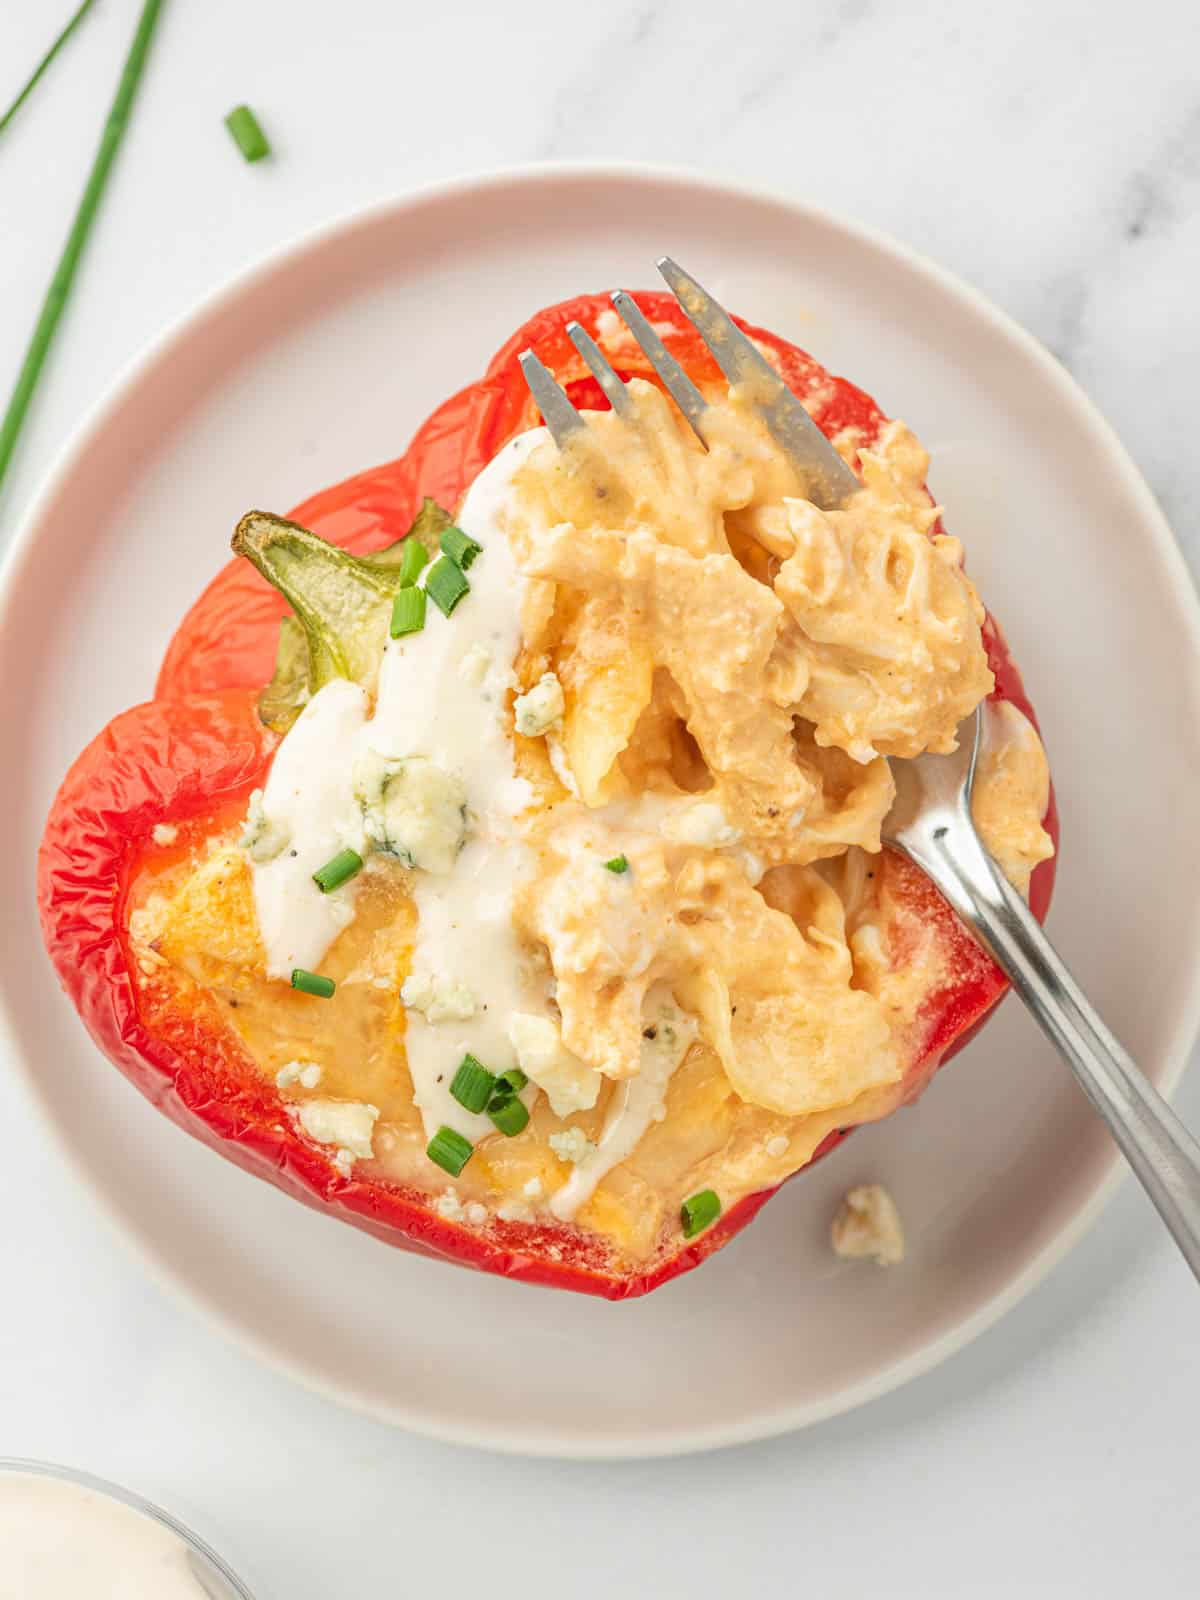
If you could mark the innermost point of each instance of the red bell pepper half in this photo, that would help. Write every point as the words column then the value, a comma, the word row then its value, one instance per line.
column 189, row 759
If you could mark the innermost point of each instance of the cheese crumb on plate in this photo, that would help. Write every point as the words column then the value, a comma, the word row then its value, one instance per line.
column 868, row 1227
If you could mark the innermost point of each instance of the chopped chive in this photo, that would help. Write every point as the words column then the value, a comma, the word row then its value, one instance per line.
column 68, row 263
column 247, row 134
column 412, row 558
column 459, row 546
column 698, row 1213
column 508, row 1113
column 446, row 585
column 450, row 1151
column 511, row 1082
column 32, row 82
column 312, row 983
column 344, row 866
column 618, row 864
column 408, row 612
column 472, row 1084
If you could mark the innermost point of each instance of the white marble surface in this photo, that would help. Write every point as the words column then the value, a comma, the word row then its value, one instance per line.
column 1047, row 150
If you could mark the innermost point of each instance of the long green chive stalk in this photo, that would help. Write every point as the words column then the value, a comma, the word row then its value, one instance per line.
column 44, row 63
column 64, row 276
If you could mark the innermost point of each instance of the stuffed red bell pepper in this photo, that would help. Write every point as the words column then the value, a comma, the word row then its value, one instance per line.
column 498, row 865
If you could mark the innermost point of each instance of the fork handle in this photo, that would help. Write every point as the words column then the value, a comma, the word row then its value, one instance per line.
column 1155, row 1142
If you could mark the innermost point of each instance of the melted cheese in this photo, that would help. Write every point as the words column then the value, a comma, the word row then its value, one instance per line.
column 666, row 1039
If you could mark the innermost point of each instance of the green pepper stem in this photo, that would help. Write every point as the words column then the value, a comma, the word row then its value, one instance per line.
column 342, row 603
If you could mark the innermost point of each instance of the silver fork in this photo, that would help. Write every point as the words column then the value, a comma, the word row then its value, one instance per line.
column 826, row 476
column 930, row 821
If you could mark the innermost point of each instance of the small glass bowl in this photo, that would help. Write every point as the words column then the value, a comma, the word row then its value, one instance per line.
column 210, row 1572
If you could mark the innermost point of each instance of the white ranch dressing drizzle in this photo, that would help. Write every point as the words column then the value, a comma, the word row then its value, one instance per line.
column 64, row 1541
column 426, row 705
column 309, row 794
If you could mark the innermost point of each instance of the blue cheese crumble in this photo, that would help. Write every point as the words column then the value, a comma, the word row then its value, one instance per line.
column 537, row 711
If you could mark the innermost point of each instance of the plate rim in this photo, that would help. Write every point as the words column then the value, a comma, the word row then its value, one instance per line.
column 508, row 1440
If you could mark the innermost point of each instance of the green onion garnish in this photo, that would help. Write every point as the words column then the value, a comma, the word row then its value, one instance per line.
column 340, row 870
column 408, row 612
column 472, row 1084
column 618, row 864
column 68, row 262
column 446, row 585
column 460, row 547
column 412, row 558
column 44, row 63
column 698, row 1213
column 312, row 983
column 450, row 1151
column 511, row 1082
column 247, row 134
column 508, row 1113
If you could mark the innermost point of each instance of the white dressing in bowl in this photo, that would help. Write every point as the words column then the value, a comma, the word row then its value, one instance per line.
column 66, row 1536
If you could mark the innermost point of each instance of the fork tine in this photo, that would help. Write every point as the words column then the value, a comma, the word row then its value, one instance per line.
column 562, row 419
column 674, row 379
column 614, row 389
column 829, row 480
